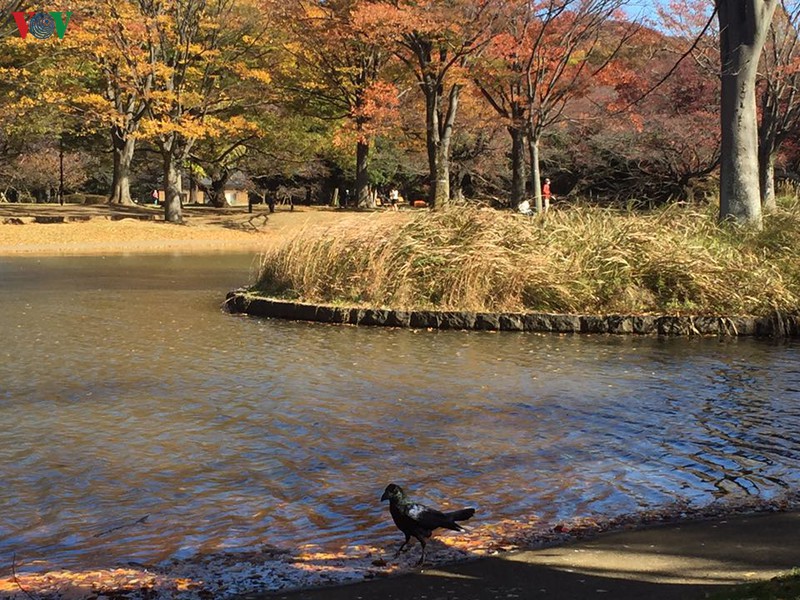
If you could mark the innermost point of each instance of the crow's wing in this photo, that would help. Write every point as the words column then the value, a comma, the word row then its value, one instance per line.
column 428, row 518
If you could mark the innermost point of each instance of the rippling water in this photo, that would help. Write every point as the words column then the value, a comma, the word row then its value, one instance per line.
column 125, row 392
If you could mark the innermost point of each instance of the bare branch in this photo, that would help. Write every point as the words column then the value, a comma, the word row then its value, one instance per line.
column 674, row 68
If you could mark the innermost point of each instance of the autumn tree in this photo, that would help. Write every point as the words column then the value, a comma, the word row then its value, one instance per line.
column 549, row 53
column 500, row 76
column 274, row 139
column 18, row 87
column 655, row 113
column 35, row 75
column 217, row 159
column 7, row 25
column 779, row 93
column 478, row 151
column 112, row 78
column 435, row 41
column 39, row 169
column 660, row 143
column 339, row 65
column 743, row 26
column 200, row 53
column 776, row 86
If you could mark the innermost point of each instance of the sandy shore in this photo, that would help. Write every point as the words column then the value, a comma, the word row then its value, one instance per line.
column 264, row 572
column 50, row 229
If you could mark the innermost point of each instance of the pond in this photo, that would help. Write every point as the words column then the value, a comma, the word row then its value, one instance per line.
column 125, row 391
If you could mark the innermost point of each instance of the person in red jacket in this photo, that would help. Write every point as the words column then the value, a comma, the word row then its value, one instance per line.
column 546, row 195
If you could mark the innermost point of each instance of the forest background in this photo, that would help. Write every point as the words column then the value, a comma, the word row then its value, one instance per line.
column 457, row 100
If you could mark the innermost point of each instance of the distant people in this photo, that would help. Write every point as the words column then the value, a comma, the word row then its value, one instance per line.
column 154, row 196
column 525, row 208
column 546, row 194
column 394, row 198
column 271, row 202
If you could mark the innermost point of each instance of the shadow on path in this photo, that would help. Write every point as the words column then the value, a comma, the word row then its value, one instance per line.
column 674, row 562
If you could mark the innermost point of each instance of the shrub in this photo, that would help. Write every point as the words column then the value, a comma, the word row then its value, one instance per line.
column 585, row 259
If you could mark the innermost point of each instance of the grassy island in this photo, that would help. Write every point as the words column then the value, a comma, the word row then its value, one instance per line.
column 589, row 260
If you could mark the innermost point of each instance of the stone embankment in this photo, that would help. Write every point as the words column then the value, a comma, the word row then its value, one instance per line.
column 776, row 325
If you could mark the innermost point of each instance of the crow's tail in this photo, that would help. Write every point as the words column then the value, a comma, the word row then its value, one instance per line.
column 461, row 515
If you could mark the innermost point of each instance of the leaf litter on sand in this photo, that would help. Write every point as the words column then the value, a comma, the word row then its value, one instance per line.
column 228, row 574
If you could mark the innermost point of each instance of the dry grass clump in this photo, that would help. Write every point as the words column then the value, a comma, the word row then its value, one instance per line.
column 578, row 260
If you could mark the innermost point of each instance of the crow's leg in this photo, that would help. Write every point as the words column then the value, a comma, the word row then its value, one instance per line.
column 400, row 549
column 421, row 558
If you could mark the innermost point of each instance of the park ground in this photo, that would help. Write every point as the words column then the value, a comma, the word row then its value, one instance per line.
column 689, row 561
column 51, row 229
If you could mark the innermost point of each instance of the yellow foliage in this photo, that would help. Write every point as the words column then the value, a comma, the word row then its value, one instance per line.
column 245, row 72
column 26, row 102
column 93, row 101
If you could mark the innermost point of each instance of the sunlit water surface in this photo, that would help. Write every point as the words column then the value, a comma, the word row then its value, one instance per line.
column 125, row 391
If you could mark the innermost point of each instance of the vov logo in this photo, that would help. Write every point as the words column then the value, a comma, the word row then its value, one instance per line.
column 42, row 25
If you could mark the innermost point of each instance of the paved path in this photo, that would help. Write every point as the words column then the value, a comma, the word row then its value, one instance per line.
column 675, row 562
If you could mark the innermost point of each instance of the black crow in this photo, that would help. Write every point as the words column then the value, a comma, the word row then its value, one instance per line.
column 418, row 520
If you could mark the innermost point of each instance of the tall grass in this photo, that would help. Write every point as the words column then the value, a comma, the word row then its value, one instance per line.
column 585, row 259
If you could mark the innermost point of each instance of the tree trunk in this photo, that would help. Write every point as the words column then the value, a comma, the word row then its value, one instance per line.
column 457, row 188
column 766, row 175
column 768, row 144
column 517, row 164
column 439, row 132
column 432, row 141
column 193, row 197
column 172, row 191
column 743, row 28
column 216, row 193
column 61, row 170
column 362, row 174
column 442, row 187
column 536, row 175
column 123, row 146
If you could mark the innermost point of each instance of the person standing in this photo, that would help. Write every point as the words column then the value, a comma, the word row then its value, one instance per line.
column 394, row 198
column 546, row 194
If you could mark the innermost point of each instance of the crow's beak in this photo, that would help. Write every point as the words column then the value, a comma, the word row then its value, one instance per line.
column 384, row 497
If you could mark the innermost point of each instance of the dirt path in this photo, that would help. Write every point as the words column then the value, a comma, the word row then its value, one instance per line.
column 677, row 562
column 50, row 229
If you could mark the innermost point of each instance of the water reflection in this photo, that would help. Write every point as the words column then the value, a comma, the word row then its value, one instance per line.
column 126, row 392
